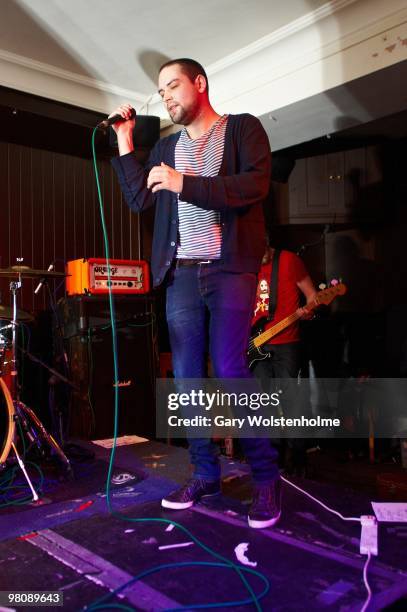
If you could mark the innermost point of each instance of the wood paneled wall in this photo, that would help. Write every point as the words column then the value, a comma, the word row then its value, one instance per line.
column 50, row 212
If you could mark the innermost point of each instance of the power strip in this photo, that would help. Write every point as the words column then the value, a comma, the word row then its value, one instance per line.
column 368, row 536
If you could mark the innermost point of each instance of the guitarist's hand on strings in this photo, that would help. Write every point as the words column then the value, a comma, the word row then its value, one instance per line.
column 306, row 286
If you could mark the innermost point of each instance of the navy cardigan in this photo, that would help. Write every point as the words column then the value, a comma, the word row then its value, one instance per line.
column 237, row 193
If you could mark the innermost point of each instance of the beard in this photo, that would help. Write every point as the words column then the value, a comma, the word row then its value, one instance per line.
column 183, row 116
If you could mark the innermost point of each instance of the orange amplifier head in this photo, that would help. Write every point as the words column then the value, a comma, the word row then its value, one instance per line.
column 89, row 276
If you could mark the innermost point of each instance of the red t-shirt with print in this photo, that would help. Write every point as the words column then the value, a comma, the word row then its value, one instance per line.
column 291, row 270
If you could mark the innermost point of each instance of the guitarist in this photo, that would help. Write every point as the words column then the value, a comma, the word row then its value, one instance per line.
column 278, row 296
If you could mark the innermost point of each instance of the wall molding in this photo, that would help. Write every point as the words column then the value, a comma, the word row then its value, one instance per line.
column 60, row 73
column 319, row 50
column 306, row 21
column 31, row 76
column 329, row 65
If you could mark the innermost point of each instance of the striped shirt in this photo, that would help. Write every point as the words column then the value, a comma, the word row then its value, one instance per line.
column 200, row 234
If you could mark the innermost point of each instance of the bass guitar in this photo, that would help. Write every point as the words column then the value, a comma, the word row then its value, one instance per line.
column 326, row 296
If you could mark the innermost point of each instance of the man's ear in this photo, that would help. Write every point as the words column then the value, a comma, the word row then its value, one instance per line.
column 201, row 84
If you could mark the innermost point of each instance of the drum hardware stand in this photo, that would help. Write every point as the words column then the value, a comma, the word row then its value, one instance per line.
column 14, row 286
column 38, row 435
column 30, row 423
column 24, row 471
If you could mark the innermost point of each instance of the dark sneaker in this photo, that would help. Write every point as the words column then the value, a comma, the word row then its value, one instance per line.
column 266, row 505
column 192, row 491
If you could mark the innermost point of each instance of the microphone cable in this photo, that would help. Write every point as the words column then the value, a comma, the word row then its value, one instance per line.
column 101, row 603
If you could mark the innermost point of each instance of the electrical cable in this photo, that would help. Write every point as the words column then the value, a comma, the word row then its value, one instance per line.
column 368, row 589
column 186, row 564
column 238, row 569
column 7, row 483
column 344, row 518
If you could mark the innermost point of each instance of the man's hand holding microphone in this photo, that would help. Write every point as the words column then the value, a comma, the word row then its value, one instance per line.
column 160, row 177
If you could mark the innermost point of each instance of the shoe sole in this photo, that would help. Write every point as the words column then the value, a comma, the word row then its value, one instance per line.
column 184, row 505
column 263, row 524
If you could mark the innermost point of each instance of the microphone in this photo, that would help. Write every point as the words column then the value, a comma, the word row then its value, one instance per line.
column 114, row 119
column 42, row 281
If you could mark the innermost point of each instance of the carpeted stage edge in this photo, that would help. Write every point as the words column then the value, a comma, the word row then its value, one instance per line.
column 310, row 557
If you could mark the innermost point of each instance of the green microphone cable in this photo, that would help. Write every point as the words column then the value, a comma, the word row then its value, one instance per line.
column 225, row 563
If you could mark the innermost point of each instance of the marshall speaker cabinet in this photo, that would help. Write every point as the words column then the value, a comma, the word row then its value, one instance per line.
column 87, row 338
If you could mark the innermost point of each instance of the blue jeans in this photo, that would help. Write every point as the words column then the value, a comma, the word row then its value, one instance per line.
column 208, row 309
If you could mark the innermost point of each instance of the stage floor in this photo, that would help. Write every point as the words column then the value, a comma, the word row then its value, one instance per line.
column 71, row 543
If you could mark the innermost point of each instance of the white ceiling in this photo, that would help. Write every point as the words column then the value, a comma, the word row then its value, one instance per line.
column 293, row 63
column 117, row 41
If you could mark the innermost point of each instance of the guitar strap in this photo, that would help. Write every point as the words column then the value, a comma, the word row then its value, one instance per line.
column 273, row 285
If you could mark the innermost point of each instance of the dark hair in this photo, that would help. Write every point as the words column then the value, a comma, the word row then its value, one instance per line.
column 189, row 67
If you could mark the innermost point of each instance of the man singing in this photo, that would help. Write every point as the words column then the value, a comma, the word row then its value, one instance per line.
column 208, row 183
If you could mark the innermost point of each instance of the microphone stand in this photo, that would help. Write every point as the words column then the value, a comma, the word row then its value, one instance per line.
column 14, row 287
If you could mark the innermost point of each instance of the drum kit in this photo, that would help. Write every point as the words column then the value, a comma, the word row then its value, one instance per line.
column 15, row 417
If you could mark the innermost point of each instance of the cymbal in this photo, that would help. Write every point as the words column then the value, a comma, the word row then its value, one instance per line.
column 7, row 313
column 27, row 272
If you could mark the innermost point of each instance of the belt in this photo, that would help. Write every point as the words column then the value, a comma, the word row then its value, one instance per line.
column 192, row 262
